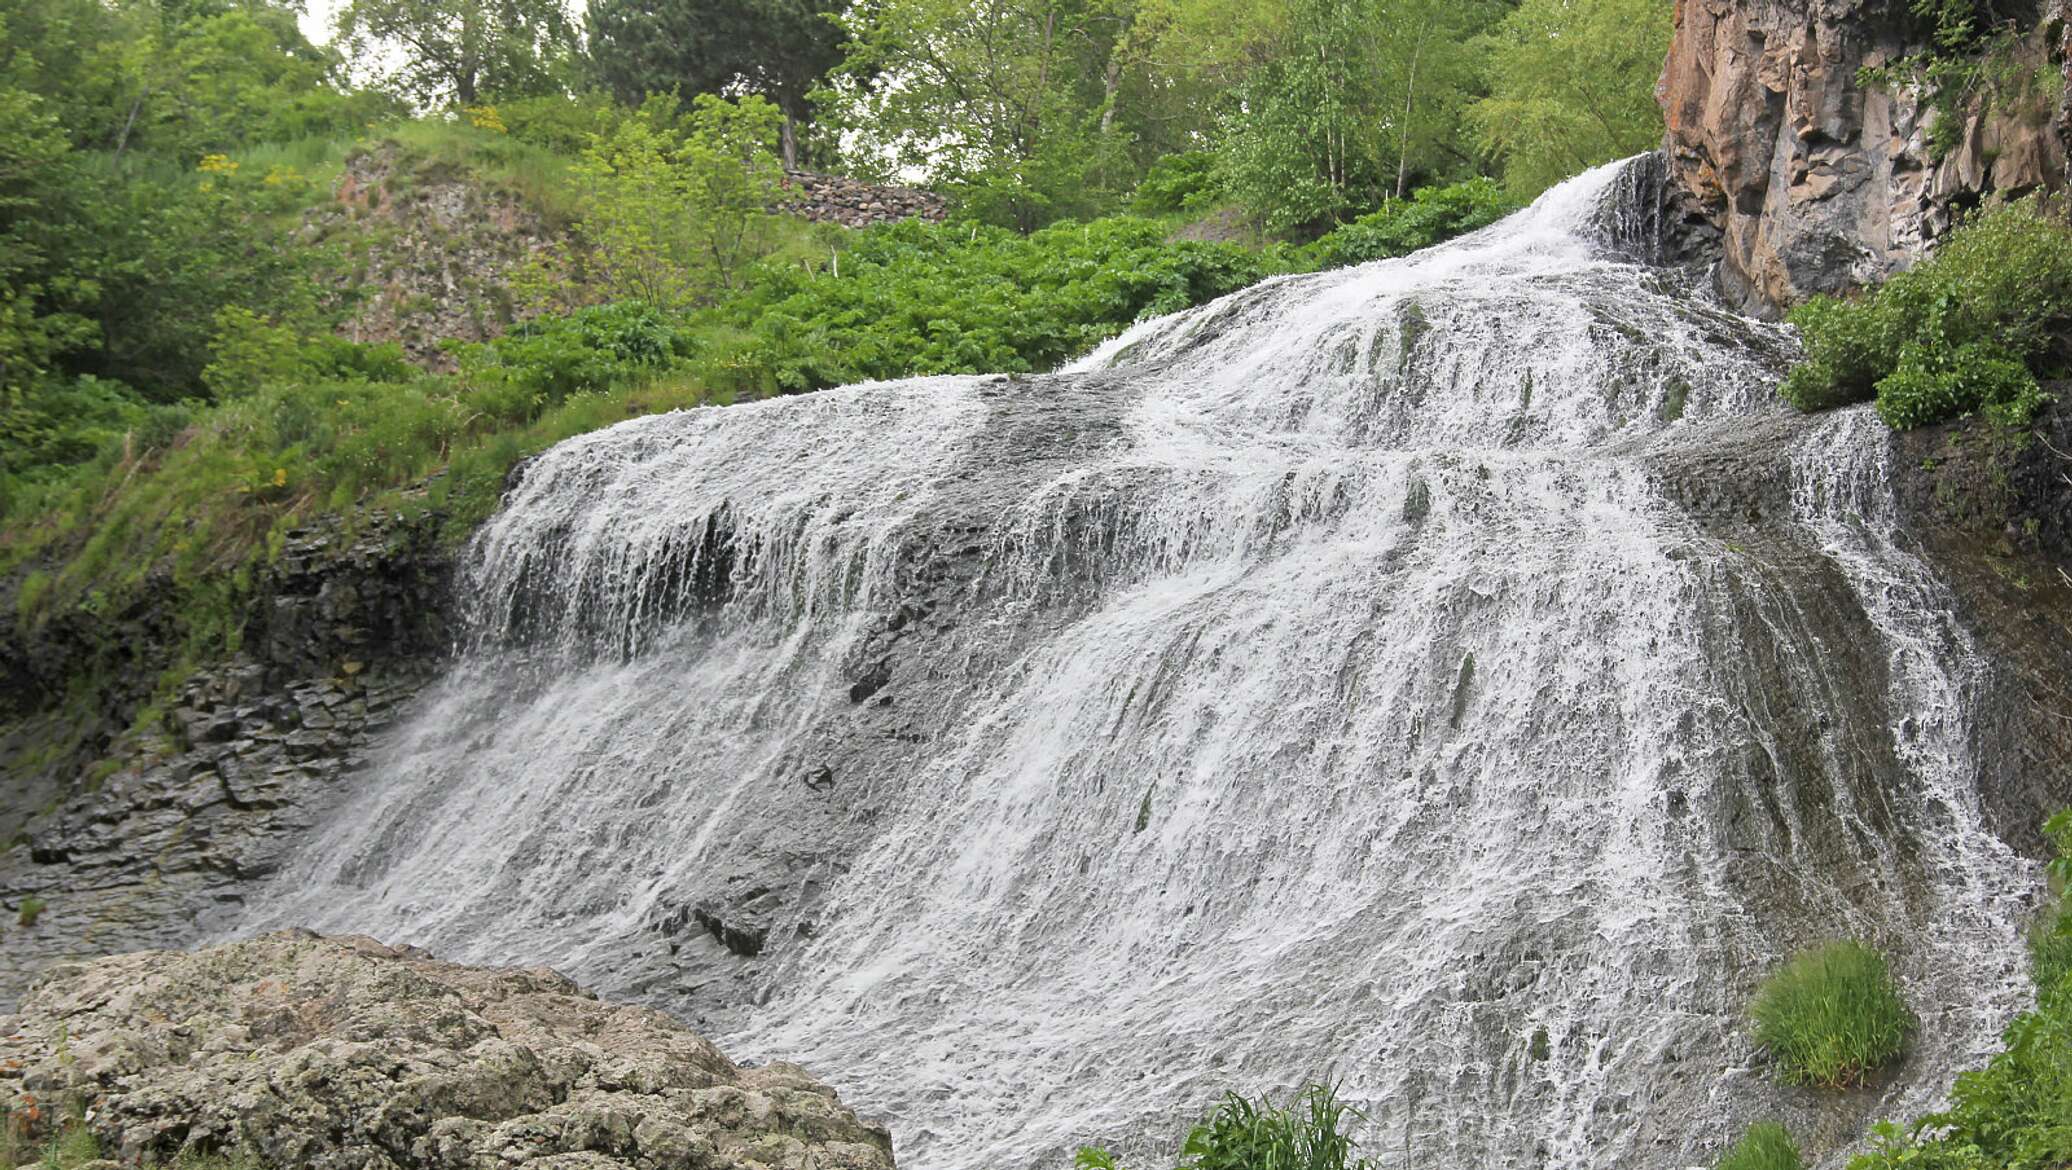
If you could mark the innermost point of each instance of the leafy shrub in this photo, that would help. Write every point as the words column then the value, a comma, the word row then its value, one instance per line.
column 914, row 298
column 543, row 362
column 1430, row 216
column 57, row 423
column 1973, row 328
column 558, row 122
column 1766, row 1146
column 325, row 425
column 1305, row 1134
column 31, row 909
column 1831, row 1015
column 1177, row 182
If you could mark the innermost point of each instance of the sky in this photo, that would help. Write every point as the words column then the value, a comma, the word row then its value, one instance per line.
column 316, row 21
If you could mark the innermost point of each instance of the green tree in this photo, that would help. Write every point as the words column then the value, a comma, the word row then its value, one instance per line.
column 733, row 180
column 1305, row 141
column 465, row 51
column 1571, row 85
column 668, row 221
column 33, row 164
column 1001, row 99
column 179, row 78
column 1314, row 108
column 781, row 49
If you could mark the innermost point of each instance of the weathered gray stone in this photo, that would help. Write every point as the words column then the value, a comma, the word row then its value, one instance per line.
column 337, row 1052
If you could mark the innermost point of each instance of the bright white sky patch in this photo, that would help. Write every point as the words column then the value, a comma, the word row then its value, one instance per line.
column 316, row 22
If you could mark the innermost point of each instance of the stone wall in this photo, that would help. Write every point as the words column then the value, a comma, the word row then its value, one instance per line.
column 853, row 203
column 1817, row 177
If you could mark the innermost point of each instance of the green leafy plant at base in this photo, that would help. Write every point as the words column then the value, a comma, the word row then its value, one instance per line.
column 1766, row 1146
column 1831, row 1016
column 74, row 1145
column 1974, row 328
column 1307, row 1132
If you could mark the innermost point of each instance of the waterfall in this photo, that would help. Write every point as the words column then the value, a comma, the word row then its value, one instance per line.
column 1455, row 676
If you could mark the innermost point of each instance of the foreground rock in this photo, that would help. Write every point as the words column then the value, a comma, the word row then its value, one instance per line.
column 328, row 1053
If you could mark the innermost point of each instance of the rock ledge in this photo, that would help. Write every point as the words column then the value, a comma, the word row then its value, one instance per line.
column 294, row 1049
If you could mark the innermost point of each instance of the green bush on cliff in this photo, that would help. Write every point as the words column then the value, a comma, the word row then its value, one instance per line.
column 1766, row 1146
column 315, row 424
column 1975, row 328
column 1831, row 1016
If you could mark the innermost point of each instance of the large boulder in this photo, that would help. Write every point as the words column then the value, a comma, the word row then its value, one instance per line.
column 294, row 1049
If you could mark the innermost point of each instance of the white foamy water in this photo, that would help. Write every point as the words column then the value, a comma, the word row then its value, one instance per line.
column 1453, row 676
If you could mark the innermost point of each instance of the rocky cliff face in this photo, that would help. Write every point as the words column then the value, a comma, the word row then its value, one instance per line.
column 1819, row 178
column 187, row 807
column 297, row 1050
column 433, row 249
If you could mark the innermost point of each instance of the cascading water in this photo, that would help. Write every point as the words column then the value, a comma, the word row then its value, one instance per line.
column 1454, row 676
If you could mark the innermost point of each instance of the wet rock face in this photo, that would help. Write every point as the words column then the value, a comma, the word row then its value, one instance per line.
column 148, row 847
column 1817, row 181
column 300, row 1050
column 1994, row 512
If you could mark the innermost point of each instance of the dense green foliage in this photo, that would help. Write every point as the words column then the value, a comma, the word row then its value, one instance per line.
column 466, row 51
column 1972, row 329
column 1831, row 1016
column 1307, row 1132
column 1305, row 112
column 318, row 423
column 778, row 49
column 1766, row 1146
column 1572, row 84
column 2016, row 1113
column 919, row 299
column 1406, row 225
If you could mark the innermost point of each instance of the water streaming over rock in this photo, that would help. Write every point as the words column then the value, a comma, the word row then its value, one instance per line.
column 1455, row 676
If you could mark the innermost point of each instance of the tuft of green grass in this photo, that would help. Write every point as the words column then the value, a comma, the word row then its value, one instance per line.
column 1306, row 1133
column 32, row 909
column 1831, row 1016
column 1766, row 1146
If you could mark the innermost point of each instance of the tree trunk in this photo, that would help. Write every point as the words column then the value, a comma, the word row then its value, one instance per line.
column 1403, row 136
column 128, row 124
column 789, row 141
column 1110, row 83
